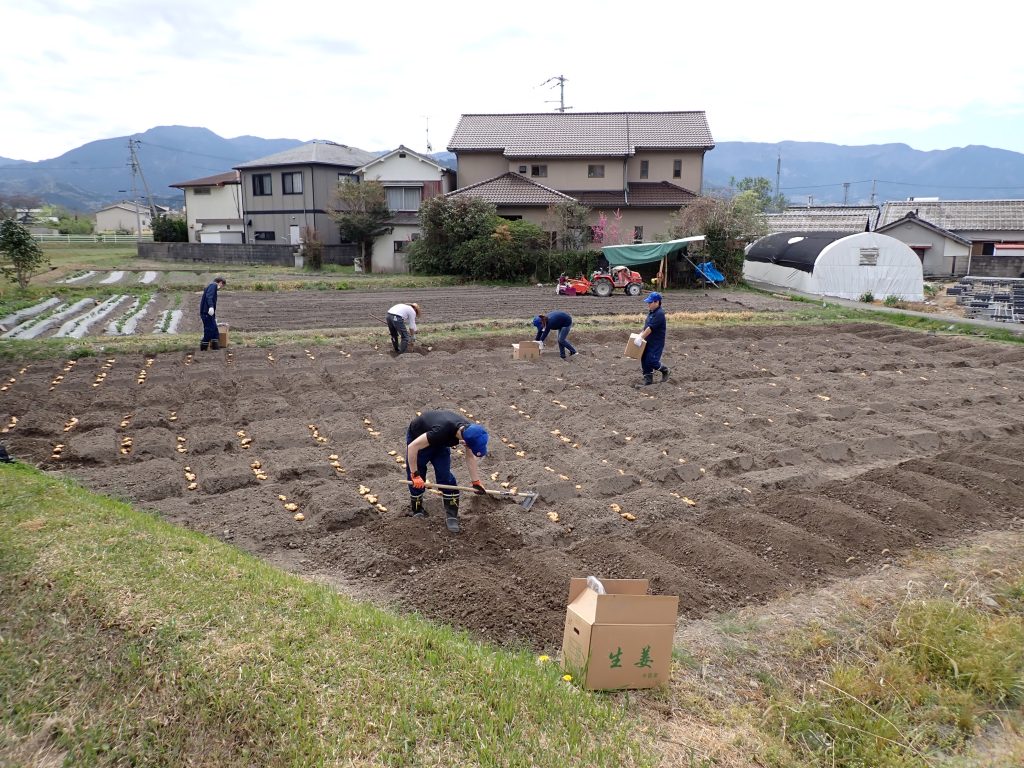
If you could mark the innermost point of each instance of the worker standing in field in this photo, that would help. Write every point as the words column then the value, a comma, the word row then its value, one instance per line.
column 556, row 321
column 654, row 333
column 429, row 440
column 402, row 325
column 208, row 313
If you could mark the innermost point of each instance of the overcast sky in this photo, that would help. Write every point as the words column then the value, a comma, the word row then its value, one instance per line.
column 372, row 74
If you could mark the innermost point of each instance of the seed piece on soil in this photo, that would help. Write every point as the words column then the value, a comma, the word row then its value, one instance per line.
column 335, row 464
column 180, row 439
column 333, row 457
column 689, row 501
column 192, row 486
column 282, row 497
column 291, row 506
column 256, row 465
column 628, row 516
column 246, row 440
column 520, row 453
column 190, row 476
column 299, row 517
column 382, row 508
column 553, row 517
column 503, row 485
column 363, row 490
column 563, row 477
column 392, row 453
column 614, row 507
column 370, row 498
column 494, row 475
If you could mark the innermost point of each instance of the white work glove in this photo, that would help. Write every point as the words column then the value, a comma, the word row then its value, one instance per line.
column 639, row 341
column 210, row 311
column 540, row 344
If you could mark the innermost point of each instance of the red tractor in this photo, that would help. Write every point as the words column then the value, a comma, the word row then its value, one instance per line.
column 604, row 283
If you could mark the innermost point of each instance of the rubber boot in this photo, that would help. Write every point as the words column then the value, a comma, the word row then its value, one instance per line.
column 203, row 346
column 214, row 344
column 417, row 507
column 648, row 379
column 451, row 513
column 664, row 372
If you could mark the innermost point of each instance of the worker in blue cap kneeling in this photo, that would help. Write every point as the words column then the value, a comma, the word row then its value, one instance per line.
column 429, row 440
column 654, row 333
column 556, row 321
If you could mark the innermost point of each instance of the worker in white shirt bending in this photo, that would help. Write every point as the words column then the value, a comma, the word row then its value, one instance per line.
column 402, row 325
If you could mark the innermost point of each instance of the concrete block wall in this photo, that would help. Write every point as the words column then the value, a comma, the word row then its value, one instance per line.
column 997, row 266
column 232, row 253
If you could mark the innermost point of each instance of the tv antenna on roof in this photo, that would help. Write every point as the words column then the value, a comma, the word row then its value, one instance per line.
column 561, row 92
column 429, row 147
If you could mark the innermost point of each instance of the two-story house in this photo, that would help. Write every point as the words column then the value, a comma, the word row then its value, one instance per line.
column 634, row 169
column 213, row 208
column 408, row 178
column 127, row 216
column 286, row 192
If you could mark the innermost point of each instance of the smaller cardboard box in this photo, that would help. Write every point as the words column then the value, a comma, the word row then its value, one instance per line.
column 222, row 334
column 621, row 639
column 632, row 350
column 526, row 350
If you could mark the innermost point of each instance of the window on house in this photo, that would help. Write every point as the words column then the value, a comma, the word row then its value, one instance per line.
column 261, row 184
column 677, row 169
column 400, row 245
column 348, row 178
column 645, row 168
column 539, row 170
column 291, row 183
column 414, row 236
column 869, row 257
column 200, row 190
column 638, row 234
column 522, row 169
column 263, row 236
column 404, row 198
column 595, row 171
column 988, row 249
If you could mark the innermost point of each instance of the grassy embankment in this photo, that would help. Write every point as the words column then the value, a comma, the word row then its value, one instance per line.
column 126, row 641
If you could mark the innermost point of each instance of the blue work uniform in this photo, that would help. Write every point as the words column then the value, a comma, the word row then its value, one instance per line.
column 210, row 332
column 651, row 359
column 561, row 322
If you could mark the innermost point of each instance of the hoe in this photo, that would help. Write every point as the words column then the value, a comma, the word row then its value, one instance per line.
column 526, row 502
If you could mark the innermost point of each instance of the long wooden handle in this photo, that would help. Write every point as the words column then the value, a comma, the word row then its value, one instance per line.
column 492, row 492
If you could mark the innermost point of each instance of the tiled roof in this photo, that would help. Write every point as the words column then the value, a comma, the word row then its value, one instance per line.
column 959, row 215
column 911, row 216
column 231, row 177
column 316, row 152
column 824, row 218
column 512, row 189
column 595, row 134
column 644, row 194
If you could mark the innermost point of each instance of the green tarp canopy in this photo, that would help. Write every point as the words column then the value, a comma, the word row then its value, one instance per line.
column 643, row 253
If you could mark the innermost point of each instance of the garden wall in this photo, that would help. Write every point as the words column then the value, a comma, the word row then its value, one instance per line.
column 997, row 266
column 247, row 253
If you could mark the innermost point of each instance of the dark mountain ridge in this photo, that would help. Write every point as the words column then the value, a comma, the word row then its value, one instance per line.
column 99, row 173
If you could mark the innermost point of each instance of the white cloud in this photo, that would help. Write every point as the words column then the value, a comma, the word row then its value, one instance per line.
column 369, row 75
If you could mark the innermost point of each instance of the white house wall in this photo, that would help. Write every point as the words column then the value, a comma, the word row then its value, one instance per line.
column 223, row 203
column 384, row 257
column 396, row 168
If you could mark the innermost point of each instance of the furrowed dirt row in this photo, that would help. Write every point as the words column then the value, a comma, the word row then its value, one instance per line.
column 773, row 458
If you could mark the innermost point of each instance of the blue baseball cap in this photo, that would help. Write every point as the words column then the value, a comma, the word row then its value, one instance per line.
column 652, row 297
column 538, row 322
column 476, row 438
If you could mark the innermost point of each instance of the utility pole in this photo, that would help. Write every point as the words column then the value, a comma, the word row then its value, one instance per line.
column 873, row 182
column 135, row 198
column 778, row 174
column 137, row 168
column 846, row 191
column 561, row 92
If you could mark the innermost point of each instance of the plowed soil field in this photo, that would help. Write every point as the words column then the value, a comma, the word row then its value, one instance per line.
column 772, row 459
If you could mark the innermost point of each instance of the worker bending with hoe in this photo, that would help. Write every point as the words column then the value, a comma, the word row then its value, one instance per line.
column 208, row 313
column 654, row 333
column 556, row 321
column 402, row 325
column 429, row 440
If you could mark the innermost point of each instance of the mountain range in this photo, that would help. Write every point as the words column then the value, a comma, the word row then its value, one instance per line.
column 98, row 173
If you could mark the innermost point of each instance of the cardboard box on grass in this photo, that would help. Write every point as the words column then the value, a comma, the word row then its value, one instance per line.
column 621, row 639
column 222, row 334
column 632, row 350
column 526, row 350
